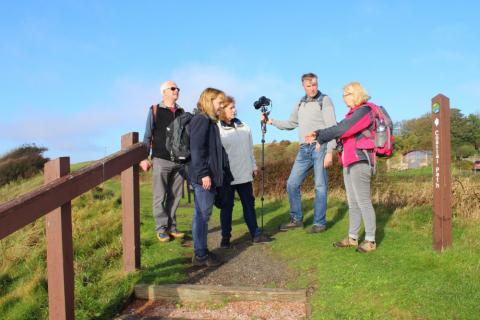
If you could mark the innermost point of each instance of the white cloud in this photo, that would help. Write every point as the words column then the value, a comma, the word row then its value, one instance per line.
column 84, row 135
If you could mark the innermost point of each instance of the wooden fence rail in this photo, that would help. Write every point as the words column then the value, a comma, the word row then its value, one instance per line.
column 53, row 199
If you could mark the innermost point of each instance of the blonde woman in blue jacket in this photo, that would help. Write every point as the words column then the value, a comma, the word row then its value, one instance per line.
column 237, row 140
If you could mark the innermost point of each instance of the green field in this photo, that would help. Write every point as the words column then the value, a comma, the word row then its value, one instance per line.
column 403, row 279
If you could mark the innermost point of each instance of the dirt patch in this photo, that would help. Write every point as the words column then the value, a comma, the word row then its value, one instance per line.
column 142, row 309
column 244, row 265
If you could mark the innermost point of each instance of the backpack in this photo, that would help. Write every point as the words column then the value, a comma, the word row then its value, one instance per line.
column 382, row 131
column 319, row 99
column 178, row 138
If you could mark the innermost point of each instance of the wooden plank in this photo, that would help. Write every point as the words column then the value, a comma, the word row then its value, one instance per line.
column 131, row 210
column 61, row 302
column 441, row 166
column 206, row 293
column 25, row 209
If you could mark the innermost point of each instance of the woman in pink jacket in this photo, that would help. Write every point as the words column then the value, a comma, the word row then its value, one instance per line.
column 357, row 158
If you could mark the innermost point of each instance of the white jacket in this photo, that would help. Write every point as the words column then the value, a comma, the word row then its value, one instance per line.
column 238, row 144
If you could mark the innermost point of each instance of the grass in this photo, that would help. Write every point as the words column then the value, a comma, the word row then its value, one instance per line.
column 101, row 286
column 403, row 279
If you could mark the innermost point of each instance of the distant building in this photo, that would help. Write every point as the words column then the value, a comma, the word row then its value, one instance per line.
column 417, row 159
column 410, row 160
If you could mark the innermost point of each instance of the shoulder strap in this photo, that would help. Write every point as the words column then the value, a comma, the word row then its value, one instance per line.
column 319, row 100
column 154, row 109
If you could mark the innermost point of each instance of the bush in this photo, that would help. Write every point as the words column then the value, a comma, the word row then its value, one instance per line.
column 277, row 173
column 23, row 162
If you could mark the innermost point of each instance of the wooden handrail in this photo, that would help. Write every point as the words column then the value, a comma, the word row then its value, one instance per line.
column 17, row 213
column 53, row 200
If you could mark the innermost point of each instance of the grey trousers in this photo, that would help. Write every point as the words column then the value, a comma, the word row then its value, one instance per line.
column 167, row 192
column 357, row 184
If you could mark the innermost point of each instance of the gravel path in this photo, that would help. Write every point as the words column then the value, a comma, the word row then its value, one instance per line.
column 244, row 265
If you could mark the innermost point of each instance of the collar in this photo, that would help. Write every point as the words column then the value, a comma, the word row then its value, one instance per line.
column 306, row 98
column 235, row 124
column 162, row 105
column 352, row 110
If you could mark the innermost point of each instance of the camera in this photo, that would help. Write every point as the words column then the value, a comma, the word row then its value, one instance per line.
column 261, row 102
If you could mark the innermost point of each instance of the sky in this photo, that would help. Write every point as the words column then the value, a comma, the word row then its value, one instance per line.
column 76, row 75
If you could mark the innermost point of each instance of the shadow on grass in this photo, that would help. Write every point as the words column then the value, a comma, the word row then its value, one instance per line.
column 383, row 214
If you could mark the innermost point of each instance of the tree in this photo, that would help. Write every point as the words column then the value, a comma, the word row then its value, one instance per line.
column 22, row 162
column 465, row 151
column 416, row 134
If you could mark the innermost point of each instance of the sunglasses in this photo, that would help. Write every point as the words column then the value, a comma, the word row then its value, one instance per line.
column 174, row 88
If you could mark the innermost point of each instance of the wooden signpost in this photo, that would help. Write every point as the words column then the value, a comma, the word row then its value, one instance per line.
column 442, row 189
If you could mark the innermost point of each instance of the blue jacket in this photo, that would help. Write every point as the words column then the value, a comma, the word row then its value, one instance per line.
column 208, row 156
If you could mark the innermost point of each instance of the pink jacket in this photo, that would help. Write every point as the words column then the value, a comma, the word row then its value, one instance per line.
column 349, row 131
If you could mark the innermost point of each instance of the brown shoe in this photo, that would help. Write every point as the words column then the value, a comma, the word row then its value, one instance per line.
column 291, row 225
column 346, row 243
column 367, row 246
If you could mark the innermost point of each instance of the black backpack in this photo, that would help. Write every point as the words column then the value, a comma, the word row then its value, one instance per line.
column 178, row 138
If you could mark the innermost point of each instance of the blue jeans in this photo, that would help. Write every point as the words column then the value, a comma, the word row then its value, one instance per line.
column 307, row 158
column 245, row 191
column 204, row 200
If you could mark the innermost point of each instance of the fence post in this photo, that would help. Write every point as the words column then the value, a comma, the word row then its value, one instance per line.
column 59, row 249
column 131, row 210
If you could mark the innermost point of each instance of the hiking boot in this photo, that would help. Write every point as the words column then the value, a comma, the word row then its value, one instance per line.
column 177, row 234
column 261, row 238
column 291, row 225
column 346, row 243
column 163, row 237
column 317, row 228
column 209, row 260
column 367, row 246
column 225, row 243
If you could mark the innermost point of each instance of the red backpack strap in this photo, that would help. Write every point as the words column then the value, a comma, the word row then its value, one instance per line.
column 153, row 109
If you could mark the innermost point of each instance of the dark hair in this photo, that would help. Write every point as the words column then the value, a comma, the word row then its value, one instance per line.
column 309, row 76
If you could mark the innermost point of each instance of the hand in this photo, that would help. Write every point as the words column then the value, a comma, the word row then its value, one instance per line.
column 255, row 173
column 311, row 138
column 206, row 183
column 264, row 118
column 327, row 162
column 145, row 165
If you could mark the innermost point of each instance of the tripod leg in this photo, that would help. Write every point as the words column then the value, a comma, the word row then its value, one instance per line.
column 263, row 168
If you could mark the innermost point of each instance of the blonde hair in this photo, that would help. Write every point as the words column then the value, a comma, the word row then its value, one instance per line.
column 359, row 94
column 205, row 102
column 226, row 102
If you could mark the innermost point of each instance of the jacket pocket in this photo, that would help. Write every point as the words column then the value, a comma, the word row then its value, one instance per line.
column 365, row 144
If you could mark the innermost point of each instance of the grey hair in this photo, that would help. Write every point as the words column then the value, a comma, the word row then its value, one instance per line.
column 164, row 86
